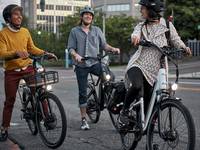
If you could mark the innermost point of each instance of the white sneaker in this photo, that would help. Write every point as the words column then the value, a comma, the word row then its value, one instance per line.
column 84, row 125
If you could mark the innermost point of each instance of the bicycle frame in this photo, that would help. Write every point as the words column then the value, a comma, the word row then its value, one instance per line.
column 99, row 80
column 157, row 91
column 38, row 89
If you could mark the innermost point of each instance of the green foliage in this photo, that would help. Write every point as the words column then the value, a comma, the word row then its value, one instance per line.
column 186, row 17
column 118, row 30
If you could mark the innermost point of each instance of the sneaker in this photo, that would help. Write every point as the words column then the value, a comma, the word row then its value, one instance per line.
column 123, row 119
column 3, row 135
column 84, row 125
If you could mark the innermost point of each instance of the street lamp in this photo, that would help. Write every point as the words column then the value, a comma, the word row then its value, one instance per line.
column 39, row 32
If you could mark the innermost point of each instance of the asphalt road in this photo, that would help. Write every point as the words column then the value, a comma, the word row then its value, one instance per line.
column 102, row 135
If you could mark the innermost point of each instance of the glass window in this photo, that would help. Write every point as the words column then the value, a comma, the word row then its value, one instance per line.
column 121, row 7
column 38, row 6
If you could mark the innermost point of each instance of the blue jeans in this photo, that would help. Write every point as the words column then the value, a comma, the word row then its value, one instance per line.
column 82, row 79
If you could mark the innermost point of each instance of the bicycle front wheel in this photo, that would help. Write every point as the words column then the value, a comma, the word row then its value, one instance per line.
column 176, row 126
column 29, row 112
column 51, row 120
column 93, row 105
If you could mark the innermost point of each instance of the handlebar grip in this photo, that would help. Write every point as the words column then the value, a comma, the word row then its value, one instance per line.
column 145, row 43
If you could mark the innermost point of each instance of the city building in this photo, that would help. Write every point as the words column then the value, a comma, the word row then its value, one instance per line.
column 54, row 13
column 117, row 7
column 29, row 9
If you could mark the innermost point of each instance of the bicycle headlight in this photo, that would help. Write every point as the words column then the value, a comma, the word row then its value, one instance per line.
column 108, row 77
column 49, row 87
column 174, row 86
column 40, row 69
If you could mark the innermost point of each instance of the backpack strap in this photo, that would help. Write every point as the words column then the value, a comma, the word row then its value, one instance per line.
column 167, row 34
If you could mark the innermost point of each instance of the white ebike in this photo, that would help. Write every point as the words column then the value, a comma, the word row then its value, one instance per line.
column 168, row 124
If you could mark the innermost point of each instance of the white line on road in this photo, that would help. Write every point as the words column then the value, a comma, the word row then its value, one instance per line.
column 193, row 83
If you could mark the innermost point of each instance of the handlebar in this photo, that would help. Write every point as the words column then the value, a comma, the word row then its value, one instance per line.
column 99, row 56
column 166, row 51
column 36, row 58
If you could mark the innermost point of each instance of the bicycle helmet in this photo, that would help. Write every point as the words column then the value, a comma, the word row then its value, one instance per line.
column 87, row 9
column 7, row 12
column 155, row 5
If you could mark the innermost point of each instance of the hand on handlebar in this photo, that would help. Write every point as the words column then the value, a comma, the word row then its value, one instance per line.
column 115, row 50
column 51, row 56
column 135, row 40
column 78, row 58
column 188, row 51
column 22, row 54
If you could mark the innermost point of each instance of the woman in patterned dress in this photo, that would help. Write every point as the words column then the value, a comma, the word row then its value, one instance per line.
column 144, row 65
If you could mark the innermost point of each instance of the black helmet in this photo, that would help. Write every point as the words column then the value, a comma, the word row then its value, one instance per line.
column 7, row 12
column 156, row 5
column 87, row 9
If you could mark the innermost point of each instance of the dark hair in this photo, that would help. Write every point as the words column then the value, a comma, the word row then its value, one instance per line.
column 153, row 14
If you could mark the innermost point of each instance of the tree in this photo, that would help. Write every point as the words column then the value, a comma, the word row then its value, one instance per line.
column 186, row 17
column 118, row 31
column 65, row 28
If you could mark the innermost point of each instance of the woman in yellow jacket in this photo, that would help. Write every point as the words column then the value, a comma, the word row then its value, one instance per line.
column 15, row 41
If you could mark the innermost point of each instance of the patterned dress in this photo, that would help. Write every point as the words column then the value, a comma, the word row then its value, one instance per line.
column 148, row 58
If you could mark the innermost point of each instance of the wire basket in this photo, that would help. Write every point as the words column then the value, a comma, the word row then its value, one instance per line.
column 43, row 78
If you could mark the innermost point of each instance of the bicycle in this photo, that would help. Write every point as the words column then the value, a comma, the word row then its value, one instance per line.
column 166, row 114
column 42, row 110
column 106, row 87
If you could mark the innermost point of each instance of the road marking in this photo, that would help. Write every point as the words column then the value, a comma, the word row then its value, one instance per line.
column 193, row 83
column 14, row 124
column 71, row 77
column 189, row 89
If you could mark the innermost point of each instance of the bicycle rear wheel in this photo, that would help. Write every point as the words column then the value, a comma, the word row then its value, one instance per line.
column 177, row 129
column 53, row 126
column 93, row 106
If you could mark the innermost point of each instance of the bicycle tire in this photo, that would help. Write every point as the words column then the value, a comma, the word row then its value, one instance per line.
column 93, row 105
column 170, row 104
column 40, row 121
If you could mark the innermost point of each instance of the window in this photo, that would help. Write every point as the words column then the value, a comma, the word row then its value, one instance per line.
column 120, row 7
column 69, row 8
column 38, row 6
column 77, row 8
column 82, row 0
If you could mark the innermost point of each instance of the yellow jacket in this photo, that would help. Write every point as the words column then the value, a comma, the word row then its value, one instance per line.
column 10, row 42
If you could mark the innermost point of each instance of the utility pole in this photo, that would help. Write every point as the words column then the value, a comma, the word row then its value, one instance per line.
column 54, row 18
column 104, row 17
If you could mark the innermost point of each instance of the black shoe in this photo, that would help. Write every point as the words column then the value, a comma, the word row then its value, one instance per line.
column 3, row 136
column 156, row 147
column 123, row 119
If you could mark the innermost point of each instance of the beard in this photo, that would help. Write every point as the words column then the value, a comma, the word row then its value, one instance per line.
column 86, row 23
